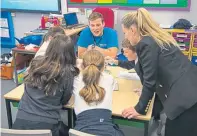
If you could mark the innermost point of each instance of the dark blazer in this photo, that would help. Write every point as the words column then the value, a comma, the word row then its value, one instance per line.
column 126, row 64
column 157, row 107
column 167, row 72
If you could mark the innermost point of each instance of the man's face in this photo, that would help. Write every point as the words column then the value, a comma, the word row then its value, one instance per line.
column 97, row 27
column 131, row 55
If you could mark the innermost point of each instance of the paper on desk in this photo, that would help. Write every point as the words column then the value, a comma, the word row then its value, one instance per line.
column 30, row 47
column 116, row 85
column 127, row 75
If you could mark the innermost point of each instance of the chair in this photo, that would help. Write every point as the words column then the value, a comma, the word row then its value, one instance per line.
column 108, row 15
column 73, row 132
column 14, row 132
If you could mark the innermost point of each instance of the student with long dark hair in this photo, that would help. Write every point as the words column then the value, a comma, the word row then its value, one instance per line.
column 48, row 86
column 52, row 32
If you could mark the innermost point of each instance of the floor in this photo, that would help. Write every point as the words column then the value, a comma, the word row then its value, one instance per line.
column 7, row 85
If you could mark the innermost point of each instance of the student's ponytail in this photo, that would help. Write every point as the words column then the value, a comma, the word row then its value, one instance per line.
column 93, row 62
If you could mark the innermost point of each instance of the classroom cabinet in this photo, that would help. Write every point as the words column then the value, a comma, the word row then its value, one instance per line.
column 194, row 49
column 187, row 41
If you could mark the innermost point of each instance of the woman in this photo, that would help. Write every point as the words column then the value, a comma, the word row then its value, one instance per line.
column 166, row 71
column 93, row 90
column 48, row 86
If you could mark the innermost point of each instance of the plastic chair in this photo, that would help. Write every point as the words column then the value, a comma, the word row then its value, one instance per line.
column 14, row 132
column 73, row 132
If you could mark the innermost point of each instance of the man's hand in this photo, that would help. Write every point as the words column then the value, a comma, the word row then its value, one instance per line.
column 112, row 52
column 130, row 113
column 90, row 47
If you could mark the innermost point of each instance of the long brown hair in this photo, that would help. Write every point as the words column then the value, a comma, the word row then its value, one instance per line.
column 146, row 26
column 56, row 70
column 53, row 31
column 93, row 63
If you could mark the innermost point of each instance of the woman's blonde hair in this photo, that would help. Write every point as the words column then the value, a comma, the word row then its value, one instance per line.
column 93, row 62
column 148, row 27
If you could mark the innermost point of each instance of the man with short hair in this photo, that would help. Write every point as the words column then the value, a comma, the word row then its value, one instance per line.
column 98, row 37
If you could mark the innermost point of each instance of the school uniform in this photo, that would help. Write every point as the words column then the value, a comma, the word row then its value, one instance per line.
column 172, row 76
column 126, row 64
column 38, row 111
column 95, row 118
column 42, row 49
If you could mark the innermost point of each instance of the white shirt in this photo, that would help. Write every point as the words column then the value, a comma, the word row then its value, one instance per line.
column 136, row 60
column 42, row 49
column 106, row 81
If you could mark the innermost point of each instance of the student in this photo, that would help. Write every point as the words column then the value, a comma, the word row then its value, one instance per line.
column 47, row 38
column 98, row 37
column 166, row 71
column 129, row 52
column 93, row 90
column 48, row 87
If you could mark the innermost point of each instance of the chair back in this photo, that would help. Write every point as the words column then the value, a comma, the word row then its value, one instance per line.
column 108, row 15
column 73, row 132
column 14, row 132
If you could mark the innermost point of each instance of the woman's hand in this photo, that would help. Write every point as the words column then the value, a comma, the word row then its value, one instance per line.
column 130, row 113
column 138, row 91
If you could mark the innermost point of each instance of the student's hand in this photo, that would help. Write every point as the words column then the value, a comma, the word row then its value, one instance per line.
column 111, row 61
column 130, row 113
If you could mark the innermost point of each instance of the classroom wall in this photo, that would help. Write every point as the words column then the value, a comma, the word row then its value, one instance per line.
column 163, row 17
column 24, row 22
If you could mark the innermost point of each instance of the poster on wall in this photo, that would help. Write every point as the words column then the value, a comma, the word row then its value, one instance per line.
column 131, row 4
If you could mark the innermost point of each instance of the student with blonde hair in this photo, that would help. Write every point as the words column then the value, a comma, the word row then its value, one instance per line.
column 166, row 71
column 93, row 90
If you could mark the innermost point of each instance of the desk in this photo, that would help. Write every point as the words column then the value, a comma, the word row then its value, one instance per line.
column 122, row 99
column 15, row 95
column 68, row 32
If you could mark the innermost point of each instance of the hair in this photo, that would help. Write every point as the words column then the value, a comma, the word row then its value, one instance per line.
column 93, row 62
column 53, row 31
column 56, row 70
column 126, row 44
column 146, row 26
column 95, row 15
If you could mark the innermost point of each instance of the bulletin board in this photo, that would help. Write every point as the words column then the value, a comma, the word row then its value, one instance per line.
column 7, row 30
column 179, row 5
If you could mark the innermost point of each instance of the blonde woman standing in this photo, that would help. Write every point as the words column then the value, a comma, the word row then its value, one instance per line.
column 93, row 90
column 166, row 71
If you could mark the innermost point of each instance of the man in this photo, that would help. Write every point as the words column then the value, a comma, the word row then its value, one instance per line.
column 98, row 37
column 53, row 31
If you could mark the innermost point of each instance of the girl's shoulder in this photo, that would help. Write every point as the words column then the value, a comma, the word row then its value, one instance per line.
column 107, row 78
